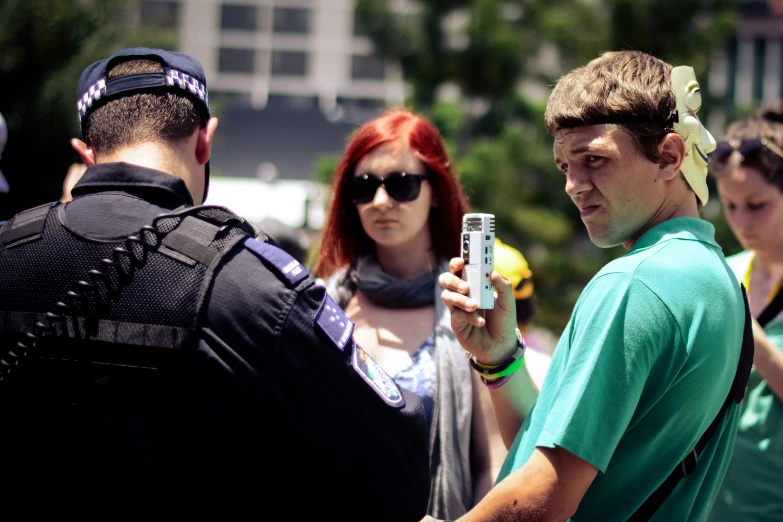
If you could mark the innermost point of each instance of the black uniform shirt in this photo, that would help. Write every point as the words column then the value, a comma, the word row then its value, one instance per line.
column 292, row 415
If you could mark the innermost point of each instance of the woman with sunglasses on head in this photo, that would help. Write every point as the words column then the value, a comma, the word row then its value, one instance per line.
column 394, row 221
column 748, row 169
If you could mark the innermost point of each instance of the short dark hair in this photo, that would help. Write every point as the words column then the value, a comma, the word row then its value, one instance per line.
column 629, row 84
column 142, row 117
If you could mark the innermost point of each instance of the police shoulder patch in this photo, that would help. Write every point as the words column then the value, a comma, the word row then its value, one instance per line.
column 280, row 261
column 333, row 322
column 376, row 377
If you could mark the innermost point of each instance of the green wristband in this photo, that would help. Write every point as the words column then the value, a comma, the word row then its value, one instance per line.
column 513, row 367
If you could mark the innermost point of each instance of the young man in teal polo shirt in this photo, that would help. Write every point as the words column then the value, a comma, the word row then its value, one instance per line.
column 651, row 351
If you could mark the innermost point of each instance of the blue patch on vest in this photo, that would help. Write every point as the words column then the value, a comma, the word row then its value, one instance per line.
column 281, row 261
column 334, row 323
column 376, row 377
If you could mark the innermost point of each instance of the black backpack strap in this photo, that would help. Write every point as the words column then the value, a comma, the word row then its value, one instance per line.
column 745, row 364
column 688, row 464
column 25, row 226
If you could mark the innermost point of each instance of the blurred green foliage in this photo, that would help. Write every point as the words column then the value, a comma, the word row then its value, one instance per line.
column 44, row 46
column 501, row 57
column 326, row 167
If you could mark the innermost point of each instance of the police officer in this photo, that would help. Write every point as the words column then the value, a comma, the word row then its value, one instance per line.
column 149, row 342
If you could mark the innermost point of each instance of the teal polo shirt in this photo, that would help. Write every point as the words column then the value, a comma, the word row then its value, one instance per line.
column 641, row 371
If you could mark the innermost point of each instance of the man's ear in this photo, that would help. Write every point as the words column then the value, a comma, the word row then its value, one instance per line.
column 204, row 140
column 672, row 151
column 86, row 152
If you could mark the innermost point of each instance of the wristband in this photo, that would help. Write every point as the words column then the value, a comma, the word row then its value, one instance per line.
column 510, row 369
column 497, row 383
column 486, row 369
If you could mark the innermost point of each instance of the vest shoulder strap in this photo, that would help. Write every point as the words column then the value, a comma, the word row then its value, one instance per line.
column 26, row 226
column 193, row 238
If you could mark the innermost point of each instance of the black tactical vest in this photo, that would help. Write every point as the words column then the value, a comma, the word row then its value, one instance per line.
column 96, row 338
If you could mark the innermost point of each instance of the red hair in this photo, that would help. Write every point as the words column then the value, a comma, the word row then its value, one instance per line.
column 344, row 239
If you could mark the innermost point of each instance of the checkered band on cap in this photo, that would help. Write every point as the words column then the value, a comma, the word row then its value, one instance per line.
column 93, row 94
column 185, row 81
column 180, row 74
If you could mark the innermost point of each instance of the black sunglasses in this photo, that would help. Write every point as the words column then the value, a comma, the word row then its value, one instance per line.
column 401, row 186
column 746, row 148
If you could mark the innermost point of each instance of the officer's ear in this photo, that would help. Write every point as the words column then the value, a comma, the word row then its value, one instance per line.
column 204, row 140
column 86, row 152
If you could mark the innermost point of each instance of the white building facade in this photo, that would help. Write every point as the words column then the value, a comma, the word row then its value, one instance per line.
column 259, row 48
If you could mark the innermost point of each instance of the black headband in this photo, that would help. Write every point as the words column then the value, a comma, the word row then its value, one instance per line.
column 621, row 119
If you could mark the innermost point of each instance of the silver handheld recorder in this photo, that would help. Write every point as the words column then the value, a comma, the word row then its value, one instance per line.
column 478, row 251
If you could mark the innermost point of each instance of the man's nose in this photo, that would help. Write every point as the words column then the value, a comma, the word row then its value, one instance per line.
column 576, row 183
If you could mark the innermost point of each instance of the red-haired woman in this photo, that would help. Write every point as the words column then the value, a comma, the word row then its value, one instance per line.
column 394, row 221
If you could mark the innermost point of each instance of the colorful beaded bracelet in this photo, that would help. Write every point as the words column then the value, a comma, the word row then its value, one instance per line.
column 497, row 383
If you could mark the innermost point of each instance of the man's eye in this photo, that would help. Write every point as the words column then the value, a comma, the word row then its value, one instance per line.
column 594, row 159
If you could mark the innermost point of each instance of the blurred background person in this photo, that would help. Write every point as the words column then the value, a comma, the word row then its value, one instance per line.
column 74, row 174
column 511, row 264
column 748, row 168
column 394, row 221
column 292, row 240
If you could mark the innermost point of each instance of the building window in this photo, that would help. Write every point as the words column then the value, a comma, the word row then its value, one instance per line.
column 759, row 59
column 289, row 63
column 239, row 17
column 237, row 61
column 230, row 100
column 291, row 20
column 160, row 14
column 359, row 29
column 753, row 9
column 359, row 110
column 368, row 68
column 781, row 68
column 370, row 104
column 731, row 58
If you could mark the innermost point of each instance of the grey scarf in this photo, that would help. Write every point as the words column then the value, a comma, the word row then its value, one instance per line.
column 386, row 291
column 452, row 482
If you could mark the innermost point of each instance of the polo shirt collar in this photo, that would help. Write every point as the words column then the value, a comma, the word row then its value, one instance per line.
column 688, row 228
